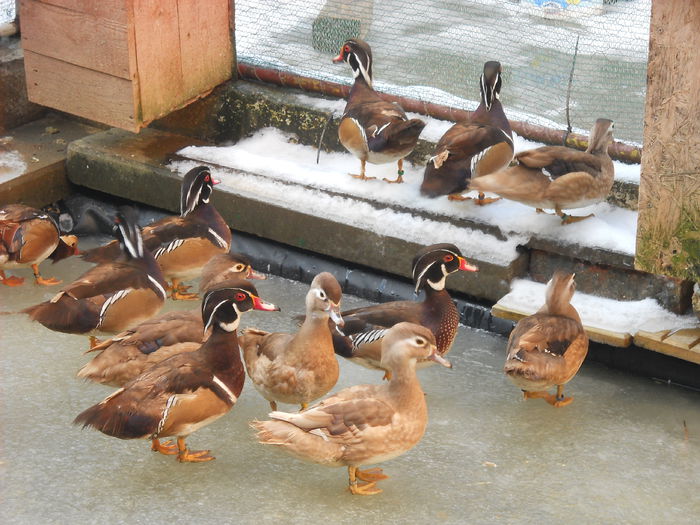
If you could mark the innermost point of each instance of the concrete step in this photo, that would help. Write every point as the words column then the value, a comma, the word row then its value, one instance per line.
column 32, row 159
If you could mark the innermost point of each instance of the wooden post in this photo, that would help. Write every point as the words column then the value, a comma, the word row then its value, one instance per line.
column 232, row 37
column 668, row 233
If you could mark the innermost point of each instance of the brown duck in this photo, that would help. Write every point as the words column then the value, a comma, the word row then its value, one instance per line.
column 183, row 245
column 365, row 327
column 297, row 368
column 130, row 353
column 185, row 392
column 556, row 177
column 473, row 148
column 547, row 348
column 111, row 296
column 363, row 424
column 372, row 129
column 27, row 237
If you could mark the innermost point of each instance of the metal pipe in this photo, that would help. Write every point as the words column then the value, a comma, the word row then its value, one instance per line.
column 617, row 150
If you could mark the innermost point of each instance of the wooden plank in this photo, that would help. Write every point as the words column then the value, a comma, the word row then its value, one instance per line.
column 668, row 234
column 109, row 9
column 157, row 41
column 684, row 344
column 599, row 335
column 82, row 92
column 207, row 55
column 74, row 37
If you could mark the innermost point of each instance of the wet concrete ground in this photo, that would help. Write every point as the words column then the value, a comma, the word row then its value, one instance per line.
column 626, row 451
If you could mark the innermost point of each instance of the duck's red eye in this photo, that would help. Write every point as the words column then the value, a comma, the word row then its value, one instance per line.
column 448, row 258
column 346, row 49
column 240, row 296
column 207, row 178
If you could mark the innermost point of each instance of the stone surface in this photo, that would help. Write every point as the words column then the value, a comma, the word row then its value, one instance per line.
column 41, row 147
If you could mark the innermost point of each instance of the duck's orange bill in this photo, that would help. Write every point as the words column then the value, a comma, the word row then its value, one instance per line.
column 340, row 57
column 214, row 182
column 466, row 267
column 259, row 304
column 252, row 274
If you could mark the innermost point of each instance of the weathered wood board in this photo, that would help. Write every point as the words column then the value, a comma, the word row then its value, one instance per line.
column 668, row 235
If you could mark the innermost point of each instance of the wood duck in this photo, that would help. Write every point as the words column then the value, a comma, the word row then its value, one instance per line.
column 548, row 347
column 557, row 177
column 297, row 368
column 185, row 392
column 111, row 296
column 27, row 237
column 372, row 129
column 473, row 148
column 183, row 245
column 363, row 424
column 130, row 353
column 360, row 340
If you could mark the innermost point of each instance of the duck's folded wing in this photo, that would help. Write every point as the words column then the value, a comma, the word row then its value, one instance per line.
column 108, row 278
column 545, row 334
column 386, row 315
column 558, row 161
column 170, row 233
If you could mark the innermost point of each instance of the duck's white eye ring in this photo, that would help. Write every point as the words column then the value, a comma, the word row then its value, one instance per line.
column 420, row 341
column 239, row 268
column 321, row 295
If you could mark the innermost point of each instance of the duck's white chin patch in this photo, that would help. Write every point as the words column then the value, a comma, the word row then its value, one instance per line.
column 230, row 327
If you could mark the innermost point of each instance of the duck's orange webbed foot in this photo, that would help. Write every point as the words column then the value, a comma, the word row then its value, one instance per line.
column 178, row 292
column 94, row 341
column 397, row 180
column 362, row 489
column 12, row 281
column 483, row 200
column 371, row 474
column 184, row 455
column 40, row 280
column 568, row 219
column 458, row 197
column 167, row 447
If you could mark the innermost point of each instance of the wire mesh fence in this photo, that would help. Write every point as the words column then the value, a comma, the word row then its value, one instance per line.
column 434, row 50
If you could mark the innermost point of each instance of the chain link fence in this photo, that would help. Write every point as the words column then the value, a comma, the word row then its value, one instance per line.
column 434, row 50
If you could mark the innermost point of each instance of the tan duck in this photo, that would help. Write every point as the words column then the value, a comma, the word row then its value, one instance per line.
column 473, row 148
column 372, row 129
column 111, row 296
column 185, row 392
column 556, row 177
column 363, row 424
column 130, row 353
column 183, row 245
column 361, row 338
column 27, row 237
column 297, row 368
column 547, row 348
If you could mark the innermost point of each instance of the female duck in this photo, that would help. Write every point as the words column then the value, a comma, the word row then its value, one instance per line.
column 372, row 129
column 297, row 368
column 363, row 424
column 548, row 347
column 185, row 392
column 556, row 177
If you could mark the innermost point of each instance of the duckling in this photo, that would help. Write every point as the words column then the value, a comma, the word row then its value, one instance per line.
column 130, row 353
column 478, row 146
column 27, row 237
column 183, row 245
column 111, row 296
column 548, row 347
column 297, row 368
column 360, row 340
column 363, row 424
column 372, row 129
column 187, row 391
column 557, row 177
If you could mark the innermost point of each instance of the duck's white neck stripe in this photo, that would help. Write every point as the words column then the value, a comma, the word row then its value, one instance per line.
column 226, row 389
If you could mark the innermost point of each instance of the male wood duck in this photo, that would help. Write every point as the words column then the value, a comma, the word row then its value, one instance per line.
column 557, row 177
column 372, row 129
column 185, row 392
column 297, row 368
column 27, row 237
column 183, row 245
column 111, row 296
column 363, row 424
column 548, row 347
column 130, row 353
column 365, row 327
column 473, row 148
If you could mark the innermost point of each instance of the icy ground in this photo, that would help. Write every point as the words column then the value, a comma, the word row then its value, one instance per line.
column 271, row 153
